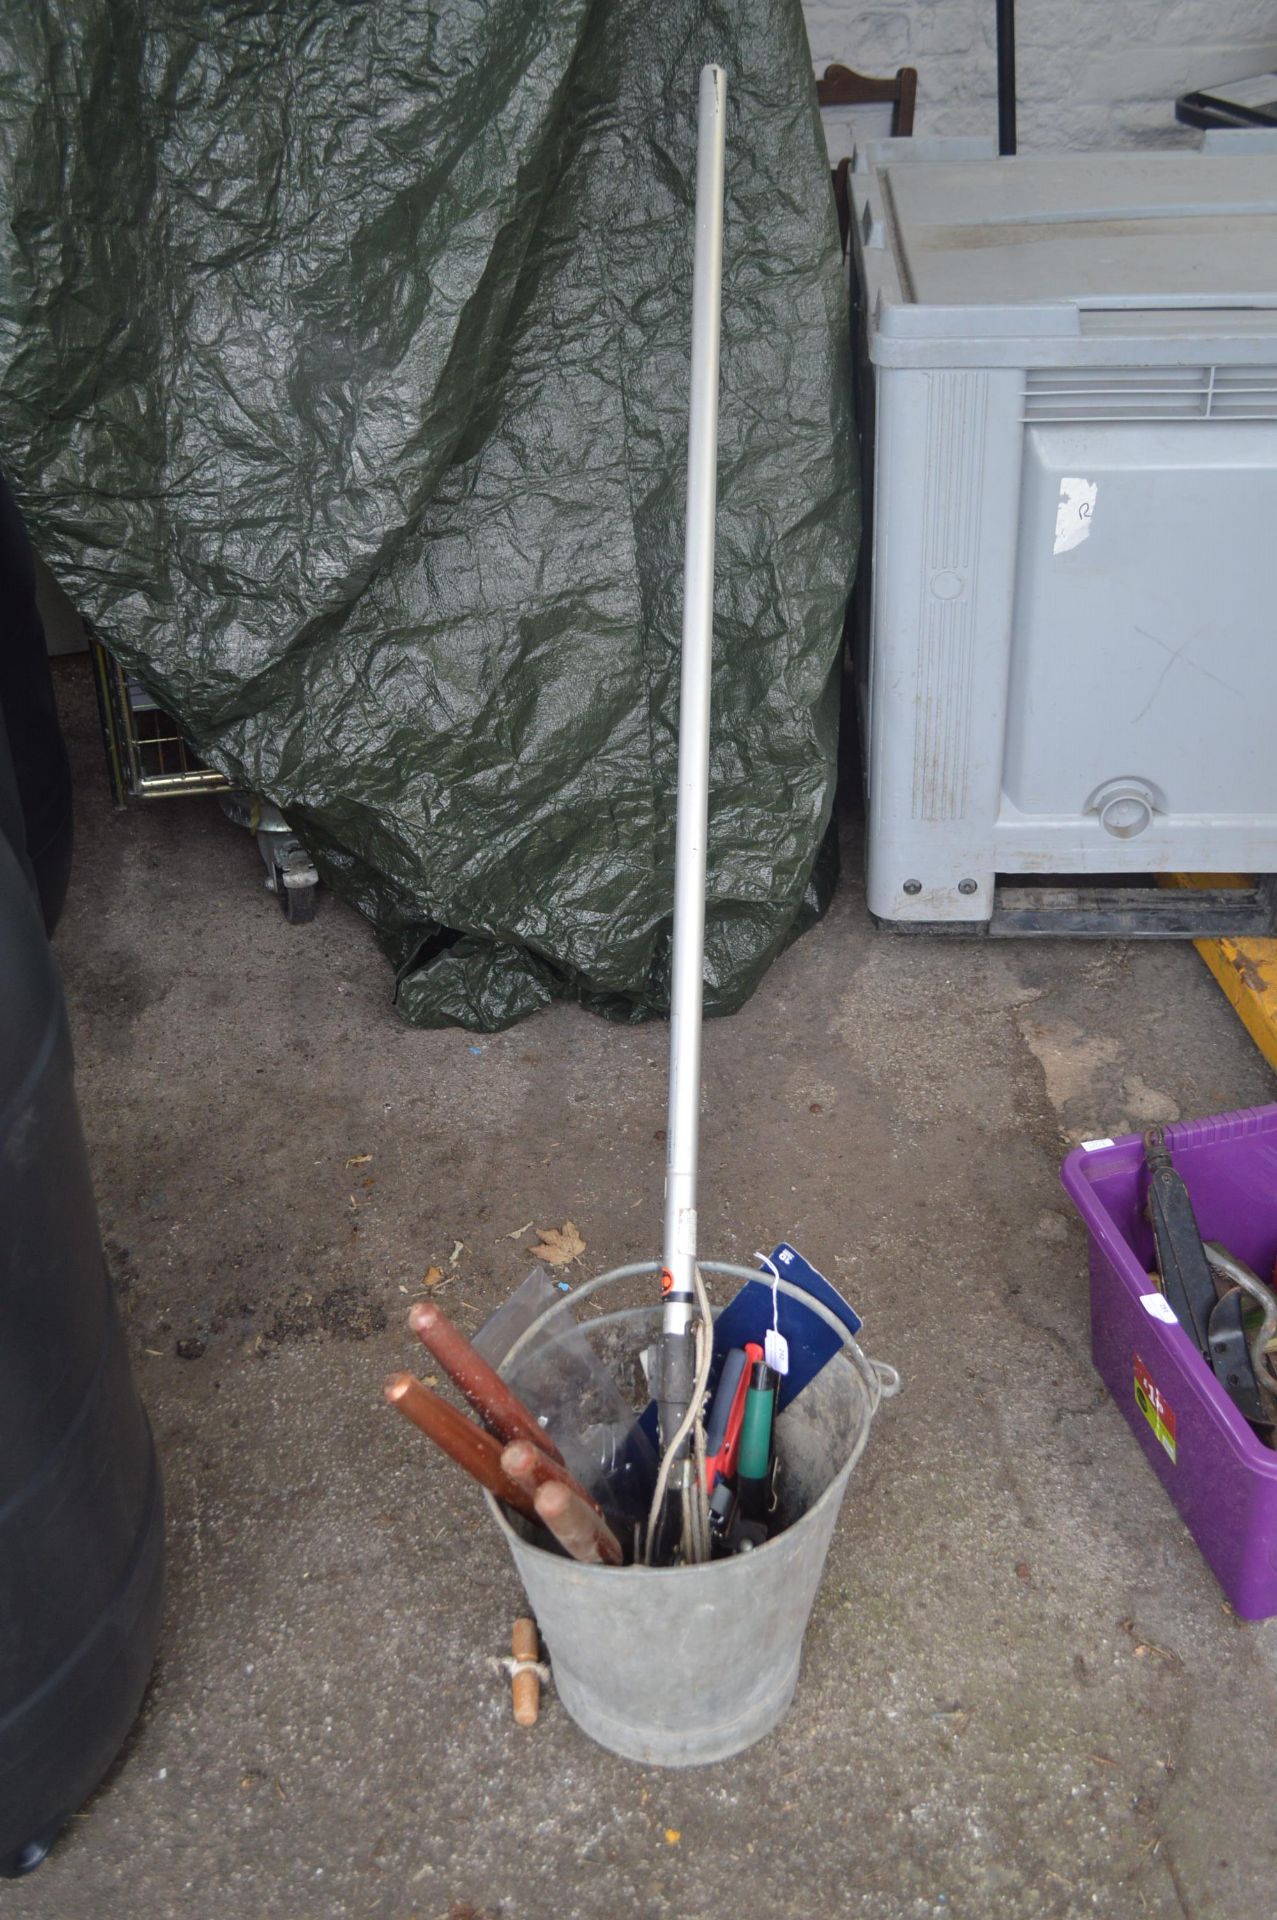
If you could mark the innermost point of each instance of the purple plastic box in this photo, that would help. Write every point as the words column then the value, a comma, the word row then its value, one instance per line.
column 1222, row 1479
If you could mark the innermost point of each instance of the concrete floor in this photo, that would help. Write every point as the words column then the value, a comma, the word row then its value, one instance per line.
column 1022, row 1693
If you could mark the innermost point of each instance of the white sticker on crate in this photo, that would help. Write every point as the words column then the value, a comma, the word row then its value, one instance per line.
column 1075, row 512
column 1158, row 1307
column 1093, row 1146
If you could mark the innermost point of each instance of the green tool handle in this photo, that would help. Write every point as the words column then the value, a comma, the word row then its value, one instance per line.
column 756, row 1434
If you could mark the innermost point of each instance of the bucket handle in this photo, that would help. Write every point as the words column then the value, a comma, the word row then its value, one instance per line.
column 880, row 1380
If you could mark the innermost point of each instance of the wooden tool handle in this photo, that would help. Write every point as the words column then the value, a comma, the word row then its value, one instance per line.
column 482, row 1386
column 579, row 1529
column 529, row 1468
column 525, row 1687
column 460, row 1438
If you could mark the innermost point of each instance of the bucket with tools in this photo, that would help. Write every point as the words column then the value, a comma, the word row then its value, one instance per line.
column 678, row 1666
column 682, row 1663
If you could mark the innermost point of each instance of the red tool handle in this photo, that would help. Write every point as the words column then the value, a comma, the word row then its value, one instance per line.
column 530, row 1469
column 723, row 1465
column 482, row 1386
column 577, row 1528
column 460, row 1438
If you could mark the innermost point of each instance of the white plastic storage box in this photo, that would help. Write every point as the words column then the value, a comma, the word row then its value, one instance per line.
column 1068, row 644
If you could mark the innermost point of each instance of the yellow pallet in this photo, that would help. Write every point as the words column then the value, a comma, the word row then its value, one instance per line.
column 1245, row 969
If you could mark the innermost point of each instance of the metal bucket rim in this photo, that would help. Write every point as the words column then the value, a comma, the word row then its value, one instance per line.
column 881, row 1380
column 875, row 1381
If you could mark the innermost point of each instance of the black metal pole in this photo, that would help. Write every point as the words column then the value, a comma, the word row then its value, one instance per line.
column 1006, row 76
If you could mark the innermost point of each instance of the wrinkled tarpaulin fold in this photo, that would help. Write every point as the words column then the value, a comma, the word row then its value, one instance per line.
column 344, row 383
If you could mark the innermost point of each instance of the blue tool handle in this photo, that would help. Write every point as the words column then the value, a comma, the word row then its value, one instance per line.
column 734, row 1364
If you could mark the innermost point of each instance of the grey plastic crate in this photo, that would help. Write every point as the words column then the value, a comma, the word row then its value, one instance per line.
column 1069, row 364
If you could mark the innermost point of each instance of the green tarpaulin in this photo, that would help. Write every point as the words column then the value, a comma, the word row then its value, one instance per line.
column 343, row 381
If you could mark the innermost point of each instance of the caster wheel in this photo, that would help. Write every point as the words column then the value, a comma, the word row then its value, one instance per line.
column 299, row 904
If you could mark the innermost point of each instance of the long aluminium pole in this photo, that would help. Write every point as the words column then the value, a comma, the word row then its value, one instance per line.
column 1005, row 20
column 688, row 961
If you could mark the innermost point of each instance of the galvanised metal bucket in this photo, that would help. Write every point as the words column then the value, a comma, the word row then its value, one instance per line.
column 680, row 1666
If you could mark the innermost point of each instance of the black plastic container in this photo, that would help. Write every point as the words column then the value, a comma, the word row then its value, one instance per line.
column 81, row 1508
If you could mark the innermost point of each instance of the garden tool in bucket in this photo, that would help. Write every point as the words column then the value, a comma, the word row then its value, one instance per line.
column 683, row 1658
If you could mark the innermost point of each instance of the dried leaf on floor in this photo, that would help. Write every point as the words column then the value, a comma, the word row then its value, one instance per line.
column 527, row 1227
column 458, row 1248
column 432, row 1276
column 558, row 1245
column 359, row 1160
